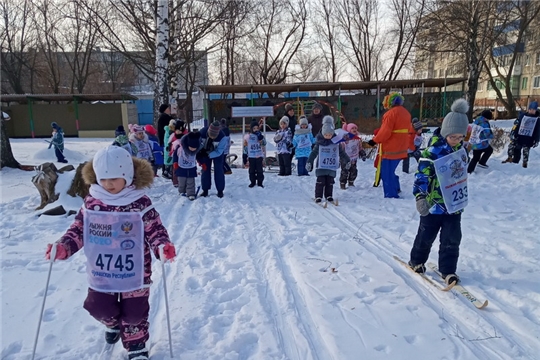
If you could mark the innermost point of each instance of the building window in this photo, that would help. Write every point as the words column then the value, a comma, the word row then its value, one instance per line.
column 527, row 60
column 536, row 82
column 524, row 83
column 538, row 59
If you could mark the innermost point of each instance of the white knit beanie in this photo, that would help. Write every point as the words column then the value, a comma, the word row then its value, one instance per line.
column 113, row 162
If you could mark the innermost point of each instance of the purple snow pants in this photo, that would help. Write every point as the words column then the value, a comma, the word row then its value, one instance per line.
column 128, row 310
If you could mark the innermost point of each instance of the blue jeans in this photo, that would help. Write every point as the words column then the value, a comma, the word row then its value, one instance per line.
column 389, row 178
column 219, row 174
column 302, row 161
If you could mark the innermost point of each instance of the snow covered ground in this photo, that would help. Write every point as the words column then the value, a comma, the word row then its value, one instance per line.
column 253, row 277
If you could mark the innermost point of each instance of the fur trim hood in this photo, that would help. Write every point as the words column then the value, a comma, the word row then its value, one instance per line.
column 144, row 174
column 300, row 131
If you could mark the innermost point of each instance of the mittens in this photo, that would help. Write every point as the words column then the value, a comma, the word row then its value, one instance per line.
column 260, row 136
column 169, row 252
column 61, row 253
column 309, row 167
column 422, row 206
column 372, row 143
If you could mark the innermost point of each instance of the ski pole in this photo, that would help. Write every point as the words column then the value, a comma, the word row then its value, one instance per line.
column 53, row 255
column 162, row 258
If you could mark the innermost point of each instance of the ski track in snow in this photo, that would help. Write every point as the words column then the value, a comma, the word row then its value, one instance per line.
column 253, row 275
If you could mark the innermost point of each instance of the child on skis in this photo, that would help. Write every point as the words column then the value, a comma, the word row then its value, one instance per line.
column 441, row 194
column 138, row 138
column 157, row 150
column 185, row 164
column 57, row 141
column 255, row 144
column 328, row 154
column 302, row 141
column 417, row 141
column 283, row 140
column 122, row 141
column 118, row 227
column 353, row 148
column 481, row 134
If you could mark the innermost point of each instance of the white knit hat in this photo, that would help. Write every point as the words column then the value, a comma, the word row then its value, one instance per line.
column 113, row 162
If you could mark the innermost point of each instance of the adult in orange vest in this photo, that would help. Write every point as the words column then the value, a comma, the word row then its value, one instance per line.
column 394, row 141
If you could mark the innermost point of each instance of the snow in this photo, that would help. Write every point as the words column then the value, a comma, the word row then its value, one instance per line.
column 253, row 278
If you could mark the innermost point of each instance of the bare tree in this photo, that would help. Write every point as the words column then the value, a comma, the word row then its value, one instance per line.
column 325, row 23
column 406, row 18
column 470, row 25
column 114, row 66
column 47, row 18
column 161, row 94
column 280, row 31
column 192, row 23
column 127, row 27
column 230, row 31
column 515, row 18
column 17, row 41
column 308, row 66
column 6, row 154
column 358, row 20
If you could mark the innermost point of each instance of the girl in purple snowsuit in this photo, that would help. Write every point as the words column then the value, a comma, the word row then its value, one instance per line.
column 118, row 227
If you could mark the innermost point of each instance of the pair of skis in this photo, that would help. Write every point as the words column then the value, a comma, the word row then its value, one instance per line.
column 453, row 286
column 324, row 203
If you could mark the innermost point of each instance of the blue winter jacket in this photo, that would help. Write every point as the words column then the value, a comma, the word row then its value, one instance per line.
column 219, row 144
column 485, row 135
column 157, row 150
column 299, row 134
column 426, row 182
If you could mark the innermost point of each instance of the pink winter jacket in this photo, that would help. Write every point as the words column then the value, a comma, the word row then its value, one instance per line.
column 155, row 233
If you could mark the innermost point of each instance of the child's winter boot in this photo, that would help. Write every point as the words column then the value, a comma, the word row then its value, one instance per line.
column 318, row 200
column 343, row 186
column 420, row 268
column 524, row 164
column 508, row 160
column 450, row 278
column 138, row 352
column 112, row 334
column 351, row 183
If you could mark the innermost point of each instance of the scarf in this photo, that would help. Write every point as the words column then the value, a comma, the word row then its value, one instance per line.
column 125, row 197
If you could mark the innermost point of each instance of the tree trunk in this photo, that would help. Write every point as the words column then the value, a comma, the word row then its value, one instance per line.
column 161, row 91
column 6, row 154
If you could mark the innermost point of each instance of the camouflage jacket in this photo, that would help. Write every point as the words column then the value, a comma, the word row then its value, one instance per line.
column 426, row 183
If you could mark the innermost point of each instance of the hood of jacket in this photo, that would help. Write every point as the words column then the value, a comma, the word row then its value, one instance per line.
column 300, row 131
